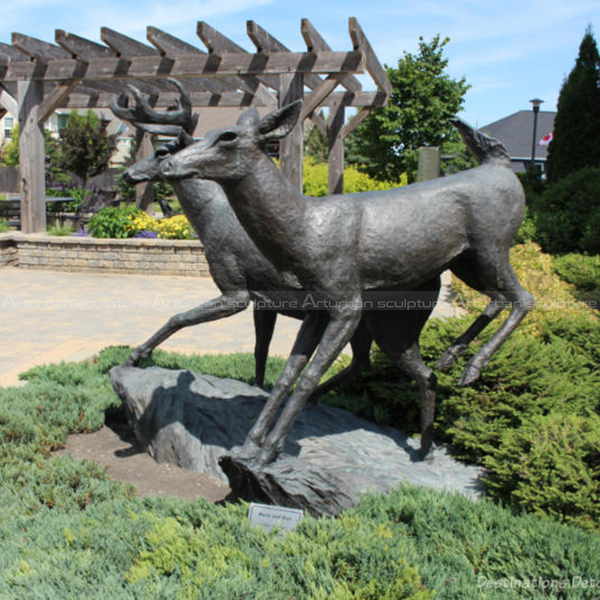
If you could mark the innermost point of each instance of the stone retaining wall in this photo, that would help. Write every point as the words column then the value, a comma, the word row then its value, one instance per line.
column 151, row 256
column 8, row 251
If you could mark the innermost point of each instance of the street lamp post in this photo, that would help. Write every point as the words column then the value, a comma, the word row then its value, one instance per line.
column 536, row 102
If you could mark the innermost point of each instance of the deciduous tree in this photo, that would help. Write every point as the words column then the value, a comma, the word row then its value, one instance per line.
column 424, row 97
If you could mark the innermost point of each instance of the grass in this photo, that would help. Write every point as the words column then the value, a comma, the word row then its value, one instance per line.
column 68, row 531
column 61, row 230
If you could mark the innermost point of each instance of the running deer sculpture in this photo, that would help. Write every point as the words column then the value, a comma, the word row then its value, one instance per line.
column 346, row 245
column 239, row 269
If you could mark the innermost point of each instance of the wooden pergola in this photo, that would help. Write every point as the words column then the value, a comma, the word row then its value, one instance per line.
column 38, row 77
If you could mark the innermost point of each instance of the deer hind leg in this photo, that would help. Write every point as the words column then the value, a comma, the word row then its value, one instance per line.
column 500, row 283
column 397, row 334
column 340, row 328
column 456, row 349
column 361, row 361
column 264, row 325
column 467, row 270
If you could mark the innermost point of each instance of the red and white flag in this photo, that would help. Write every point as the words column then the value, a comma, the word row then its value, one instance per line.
column 545, row 141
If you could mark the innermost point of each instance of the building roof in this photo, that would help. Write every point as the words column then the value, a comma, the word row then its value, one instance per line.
column 516, row 133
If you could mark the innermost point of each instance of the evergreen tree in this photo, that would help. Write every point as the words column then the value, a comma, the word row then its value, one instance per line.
column 423, row 99
column 576, row 142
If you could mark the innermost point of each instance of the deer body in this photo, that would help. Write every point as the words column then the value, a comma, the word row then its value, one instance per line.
column 347, row 244
column 413, row 217
column 239, row 270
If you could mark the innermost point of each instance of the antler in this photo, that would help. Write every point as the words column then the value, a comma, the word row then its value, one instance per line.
column 146, row 118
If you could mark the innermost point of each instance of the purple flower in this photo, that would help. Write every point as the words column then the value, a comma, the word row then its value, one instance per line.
column 146, row 234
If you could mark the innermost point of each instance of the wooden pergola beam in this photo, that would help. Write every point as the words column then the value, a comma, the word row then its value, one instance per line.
column 171, row 47
column 318, row 96
column 150, row 67
column 356, row 120
column 37, row 77
column 81, row 48
column 53, row 100
column 38, row 49
column 266, row 44
column 123, row 45
column 362, row 44
column 8, row 102
column 220, row 46
column 315, row 43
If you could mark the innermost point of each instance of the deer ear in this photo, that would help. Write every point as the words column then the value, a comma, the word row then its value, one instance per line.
column 185, row 139
column 280, row 122
column 249, row 117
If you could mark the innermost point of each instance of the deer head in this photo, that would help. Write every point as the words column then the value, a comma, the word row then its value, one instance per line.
column 232, row 152
column 179, row 122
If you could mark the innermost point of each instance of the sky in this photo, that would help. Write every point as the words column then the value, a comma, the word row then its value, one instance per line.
column 509, row 52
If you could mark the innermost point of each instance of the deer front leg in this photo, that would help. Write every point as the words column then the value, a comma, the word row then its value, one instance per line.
column 306, row 341
column 361, row 361
column 338, row 332
column 218, row 308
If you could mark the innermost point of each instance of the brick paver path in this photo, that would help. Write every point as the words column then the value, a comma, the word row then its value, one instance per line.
column 48, row 316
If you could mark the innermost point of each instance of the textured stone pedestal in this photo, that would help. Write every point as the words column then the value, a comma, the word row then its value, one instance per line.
column 330, row 458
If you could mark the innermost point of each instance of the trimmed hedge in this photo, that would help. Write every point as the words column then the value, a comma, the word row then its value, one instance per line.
column 546, row 373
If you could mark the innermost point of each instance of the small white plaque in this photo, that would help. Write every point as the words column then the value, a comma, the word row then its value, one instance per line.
column 267, row 517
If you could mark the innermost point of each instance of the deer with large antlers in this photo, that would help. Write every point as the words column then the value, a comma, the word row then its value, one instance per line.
column 238, row 268
column 348, row 245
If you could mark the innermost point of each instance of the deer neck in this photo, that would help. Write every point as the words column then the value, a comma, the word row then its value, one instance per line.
column 271, row 211
column 203, row 203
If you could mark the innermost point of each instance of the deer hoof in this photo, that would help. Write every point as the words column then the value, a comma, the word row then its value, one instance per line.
column 470, row 375
column 448, row 358
column 248, row 453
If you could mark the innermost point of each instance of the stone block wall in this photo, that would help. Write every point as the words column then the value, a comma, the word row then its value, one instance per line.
column 134, row 256
column 8, row 251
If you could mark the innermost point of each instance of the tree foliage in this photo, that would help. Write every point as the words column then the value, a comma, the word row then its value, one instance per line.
column 577, row 124
column 10, row 149
column 423, row 99
column 85, row 146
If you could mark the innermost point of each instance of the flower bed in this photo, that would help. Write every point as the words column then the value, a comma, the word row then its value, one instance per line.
column 152, row 256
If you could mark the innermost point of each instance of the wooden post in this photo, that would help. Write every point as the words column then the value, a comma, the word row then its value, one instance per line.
column 429, row 163
column 144, row 192
column 32, row 157
column 291, row 148
column 335, row 177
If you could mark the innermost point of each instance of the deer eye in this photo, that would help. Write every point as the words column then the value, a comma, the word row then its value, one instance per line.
column 161, row 152
column 228, row 136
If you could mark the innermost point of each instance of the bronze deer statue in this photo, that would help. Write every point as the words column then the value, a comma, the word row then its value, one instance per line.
column 348, row 245
column 239, row 269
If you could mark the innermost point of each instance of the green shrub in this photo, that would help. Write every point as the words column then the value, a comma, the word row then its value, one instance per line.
column 68, row 531
column 61, row 230
column 113, row 221
column 549, row 365
column 551, row 466
column 567, row 214
column 527, row 231
column 315, row 180
column 126, row 221
column 580, row 270
column 4, row 226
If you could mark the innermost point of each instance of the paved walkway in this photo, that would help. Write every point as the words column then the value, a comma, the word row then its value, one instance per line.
column 48, row 317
